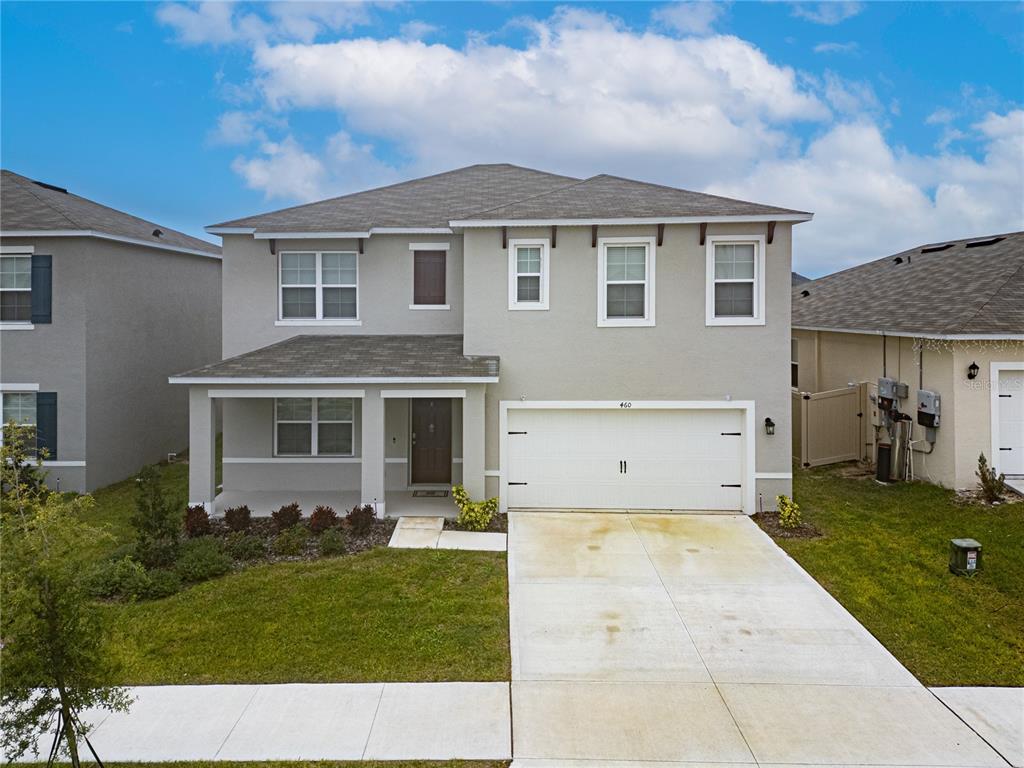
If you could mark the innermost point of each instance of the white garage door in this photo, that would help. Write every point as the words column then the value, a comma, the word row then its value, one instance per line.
column 1010, row 460
column 625, row 458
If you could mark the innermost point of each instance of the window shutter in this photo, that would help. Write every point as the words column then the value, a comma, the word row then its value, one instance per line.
column 428, row 277
column 46, row 423
column 42, row 289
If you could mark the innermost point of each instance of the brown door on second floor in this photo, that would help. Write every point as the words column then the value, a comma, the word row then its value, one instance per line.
column 428, row 277
column 431, row 440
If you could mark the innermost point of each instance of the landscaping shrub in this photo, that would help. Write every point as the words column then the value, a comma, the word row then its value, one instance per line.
column 162, row 583
column 291, row 542
column 789, row 512
column 238, row 518
column 201, row 559
column 197, row 521
column 323, row 517
column 360, row 519
column 286, row 517
column 157, row 520
column 156, row 553
column 123, row 578
column 332, row 542
column 473, row 515
column 991, row 484
column 244, row 546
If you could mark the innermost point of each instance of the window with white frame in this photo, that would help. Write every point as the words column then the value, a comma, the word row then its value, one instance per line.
column 735, row 282
column 319, row 285
column 308, row 426
column 19, row 407
column 16, row 289
column 528, row 274
column 626, row 281
column 794, row 364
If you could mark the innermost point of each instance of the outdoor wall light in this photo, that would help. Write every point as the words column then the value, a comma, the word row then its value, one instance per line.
column 769, row 426
column 972, row 371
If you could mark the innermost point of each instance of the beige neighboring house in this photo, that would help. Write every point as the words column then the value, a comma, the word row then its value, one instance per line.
column 946, row 317
column 596, row 343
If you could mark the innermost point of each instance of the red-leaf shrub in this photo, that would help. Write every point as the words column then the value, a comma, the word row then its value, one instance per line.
column 323, row 517
column 361, row 519
column 238, row 518
column 197, row 522
column 286, row 517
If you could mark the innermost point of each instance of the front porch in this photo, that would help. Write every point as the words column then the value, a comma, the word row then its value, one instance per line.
column 397, row 503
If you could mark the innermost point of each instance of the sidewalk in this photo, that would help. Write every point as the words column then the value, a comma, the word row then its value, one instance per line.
column 381, row 721
column 429, row 533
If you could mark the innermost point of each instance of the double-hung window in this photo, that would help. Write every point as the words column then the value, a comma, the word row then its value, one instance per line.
column 625, row 291
column 528, row 274
column 20, row 407
column 735, row 280
column 319, row 286
column 15, row 289
column 313, row 426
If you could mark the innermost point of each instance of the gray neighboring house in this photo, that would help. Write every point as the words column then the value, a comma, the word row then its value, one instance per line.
column 595, row 343
column 945, row 317
column 97, row 309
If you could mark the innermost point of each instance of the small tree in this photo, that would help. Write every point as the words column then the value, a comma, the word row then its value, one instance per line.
column 157, row 520
column 992, row 485
column 55, row 655
column 21, row 472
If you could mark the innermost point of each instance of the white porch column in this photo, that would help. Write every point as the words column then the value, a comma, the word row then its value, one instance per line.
column 372, row 485
column 202, row 448
column 473, row 441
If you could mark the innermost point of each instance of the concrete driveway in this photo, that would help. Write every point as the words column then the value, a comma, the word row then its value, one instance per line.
column 695, row 639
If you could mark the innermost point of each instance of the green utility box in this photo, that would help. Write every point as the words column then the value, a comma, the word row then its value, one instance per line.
column 964, row 557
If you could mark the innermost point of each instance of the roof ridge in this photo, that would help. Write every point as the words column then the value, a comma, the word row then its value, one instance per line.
column 991, row 295
column 28, row 185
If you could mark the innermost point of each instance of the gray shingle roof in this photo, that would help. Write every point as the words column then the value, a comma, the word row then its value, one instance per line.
column 428, row 202
column 608, row 197
column 956, row 290
column 26, row 205
column 354, row 356
column 482, row 192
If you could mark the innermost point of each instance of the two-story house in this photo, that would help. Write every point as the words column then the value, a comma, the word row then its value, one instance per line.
column 593, row 343
column 97, row 309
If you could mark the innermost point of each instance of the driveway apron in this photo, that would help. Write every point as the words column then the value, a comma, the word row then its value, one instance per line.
column 694, row 639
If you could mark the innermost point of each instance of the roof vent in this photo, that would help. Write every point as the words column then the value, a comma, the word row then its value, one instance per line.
column 805, row 294
column 158, row 233
column 55, row 188
column 983, row 243
column 936, row 248
column 898, row 260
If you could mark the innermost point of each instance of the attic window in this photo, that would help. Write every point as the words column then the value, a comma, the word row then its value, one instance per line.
column 158, row 233
column 983, row 243
column 936, row 248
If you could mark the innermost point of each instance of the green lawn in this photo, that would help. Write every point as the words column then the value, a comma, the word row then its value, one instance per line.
column 383, row 615
column 885, row 557
column 304, row 764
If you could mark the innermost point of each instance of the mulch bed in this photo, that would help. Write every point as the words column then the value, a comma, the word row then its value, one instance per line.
column 263, row 529
column 499, row 524
column 769, row 522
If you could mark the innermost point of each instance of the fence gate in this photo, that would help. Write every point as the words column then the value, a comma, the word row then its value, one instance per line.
column 827, row 426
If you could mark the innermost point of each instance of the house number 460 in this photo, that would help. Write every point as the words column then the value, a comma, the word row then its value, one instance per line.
column 625, row 404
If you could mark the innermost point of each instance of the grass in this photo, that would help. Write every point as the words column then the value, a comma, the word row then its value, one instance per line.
column 303, row 764
column 885, row 557
column 383, row 615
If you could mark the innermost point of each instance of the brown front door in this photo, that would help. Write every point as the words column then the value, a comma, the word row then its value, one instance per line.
column 431, row 440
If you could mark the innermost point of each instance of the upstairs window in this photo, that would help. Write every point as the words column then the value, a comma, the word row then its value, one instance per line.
column 528, row 274
column 735, row 290
column 15, row 289
column 20, row 407
column 626, row 282
column 428, row 278
column 306, row 426
column 319, row 286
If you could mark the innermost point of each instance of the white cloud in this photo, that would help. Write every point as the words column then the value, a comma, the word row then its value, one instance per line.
column 417, row 30
column 221, row 23
column 828, row 13
column 940, row 116
column 690, row 18
column 237, row 127
column 283, row 169
column 836, row 48
column 850, row 97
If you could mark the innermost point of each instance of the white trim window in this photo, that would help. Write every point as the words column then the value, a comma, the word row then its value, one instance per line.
column 794, row 363
column 314, row 426
column 528, row 274
column 19, row 407
column 318, row 286
column 735, row 280
column 16, row 288
column 625, row 282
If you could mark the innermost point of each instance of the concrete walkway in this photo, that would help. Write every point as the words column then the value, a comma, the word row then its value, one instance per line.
column 694, row 639
column 381, row 721
column 997, row 714
column 429, row 533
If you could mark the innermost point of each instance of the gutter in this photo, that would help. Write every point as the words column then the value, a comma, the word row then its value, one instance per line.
column 918, row 335
column 107, row 236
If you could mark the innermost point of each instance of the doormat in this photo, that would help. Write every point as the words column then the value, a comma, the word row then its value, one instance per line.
column 429, row 494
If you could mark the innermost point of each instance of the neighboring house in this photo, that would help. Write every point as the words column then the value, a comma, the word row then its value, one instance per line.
column 946, row 317
column 97, row 308
column 557, row 342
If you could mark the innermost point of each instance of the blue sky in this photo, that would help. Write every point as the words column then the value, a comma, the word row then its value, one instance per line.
column 897, row 123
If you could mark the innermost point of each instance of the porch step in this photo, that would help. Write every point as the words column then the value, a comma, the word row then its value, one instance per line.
column 429, row 533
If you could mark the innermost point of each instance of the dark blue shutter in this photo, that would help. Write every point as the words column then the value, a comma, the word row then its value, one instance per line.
column 46, row 423
column 42, row 289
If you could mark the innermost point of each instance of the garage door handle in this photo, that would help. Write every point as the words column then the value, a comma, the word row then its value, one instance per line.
column 1006, row 395
column 731, row 485
column 511, row 483
column 733, row 434
column 517, row 433
column 1006, row 449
